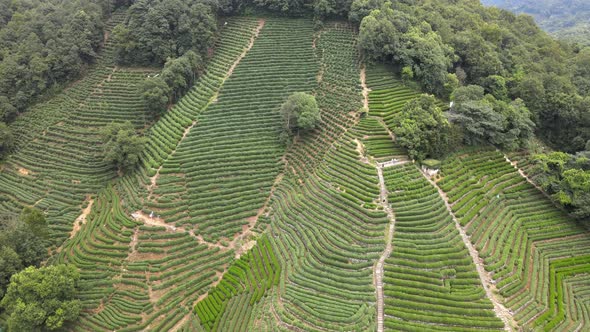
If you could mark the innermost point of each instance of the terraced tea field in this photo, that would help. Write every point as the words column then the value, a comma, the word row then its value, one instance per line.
column 430, row 277
column 531, row 248
column 224, row 228
column 222, row 172
column 62, row 167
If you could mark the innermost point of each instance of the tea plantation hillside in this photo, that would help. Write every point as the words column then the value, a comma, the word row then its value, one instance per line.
column 224, row 226
column 60, row 168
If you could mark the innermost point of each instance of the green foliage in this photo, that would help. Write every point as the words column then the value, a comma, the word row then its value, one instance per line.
column 506, row 54
column 175, row 79
column 331, row 8
column 6, row 139
column 484, row 119
column 407, row 74
column 392, row 35
column 23, row 242
column 179, row 74
column 496, row 86
column 566, row 178
column 10, row 264
column 563, row 19
column 42, row 298
column 361, row 8
column 451, row 84
column 35, row 221
column 44, row 44
column 7, row 110
column 290, row 7
column 122, row 146
column 300, row 111
column 422, row 128
column 155, row 94
column 158, row 30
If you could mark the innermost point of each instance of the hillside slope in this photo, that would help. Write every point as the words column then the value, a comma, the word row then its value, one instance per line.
column 222, row 227
column 59, row 164
column 567, row 19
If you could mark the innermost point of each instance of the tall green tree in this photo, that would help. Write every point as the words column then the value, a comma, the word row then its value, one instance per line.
column 361, row 8
column 158, row 30
column 422, row 128
column 392, row 35
column 485, row 119
column 35, row 220
column 23, row 242
column 26, row 235
column 42, row 298
column 300, row 112
column 10, row 264
column 7, row 110
column 6, row 139
column 155, row 95
column 122, row 146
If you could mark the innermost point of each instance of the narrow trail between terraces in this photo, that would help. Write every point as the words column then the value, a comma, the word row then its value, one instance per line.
column 378, row 268
column 384, row 202
column 366, row 90
column 255, row 34
column 486, row 280
column 81, row 220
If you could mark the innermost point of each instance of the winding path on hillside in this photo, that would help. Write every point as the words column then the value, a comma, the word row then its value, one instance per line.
column 486, row 280
column 378, row 269
column 383, row 201
column 255, row 33
column 366, row 89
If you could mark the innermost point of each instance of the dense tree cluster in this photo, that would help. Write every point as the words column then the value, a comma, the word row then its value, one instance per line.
column 40, row 299
column 23, row 242
column 566, row 178
column 394, row 36
column 485, row 119
column 422, row 128
column 122, row 146
column 6, row 139
column 43, row 44
column 158, row 30
column 506, row 54
column 175, row 79
column 300, row 113
column 320, row 8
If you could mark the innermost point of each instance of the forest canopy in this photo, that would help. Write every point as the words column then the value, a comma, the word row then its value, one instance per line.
column 44, row 44
column 506, row 54
column 157, row 30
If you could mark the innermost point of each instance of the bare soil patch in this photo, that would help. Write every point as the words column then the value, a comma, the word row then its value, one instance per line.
column 81, row 220
column 23, row 171
column 366, row 90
